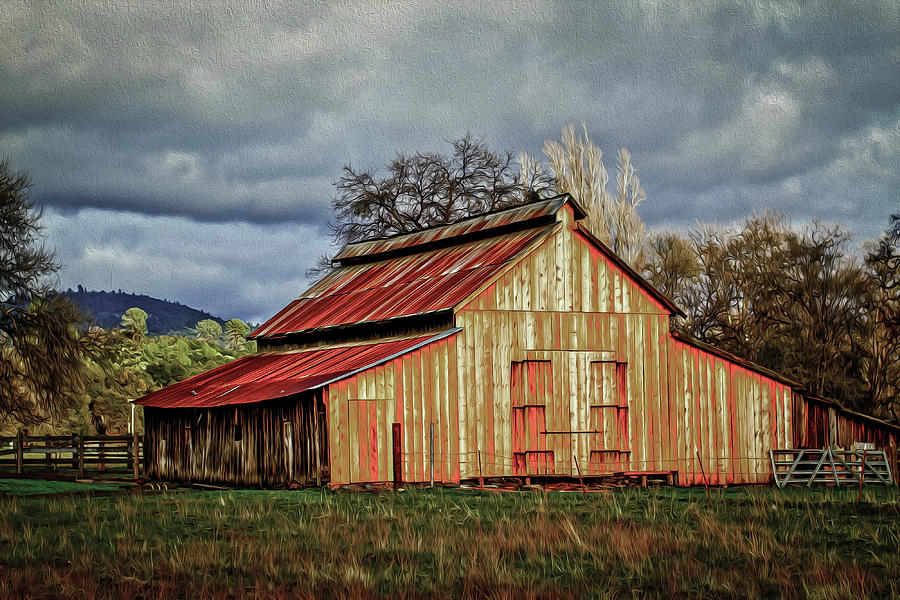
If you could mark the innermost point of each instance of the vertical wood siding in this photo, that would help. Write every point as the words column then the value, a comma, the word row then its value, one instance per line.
column 276, row 446
column 413, row 389
column 563, row 366
column 632, row 397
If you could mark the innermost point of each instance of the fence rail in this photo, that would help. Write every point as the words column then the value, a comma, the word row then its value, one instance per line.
column 72, row 451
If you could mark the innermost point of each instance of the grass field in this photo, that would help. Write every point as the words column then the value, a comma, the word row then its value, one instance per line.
column 454, row 543
column 36, row 487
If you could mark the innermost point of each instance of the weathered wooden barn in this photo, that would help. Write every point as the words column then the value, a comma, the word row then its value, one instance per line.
column 522, row 342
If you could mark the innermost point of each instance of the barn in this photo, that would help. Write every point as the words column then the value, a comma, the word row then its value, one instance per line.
column 511, row 344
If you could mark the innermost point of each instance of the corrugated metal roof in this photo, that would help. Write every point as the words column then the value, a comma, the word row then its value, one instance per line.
column 273, row 375
column 852, row 413
column 517, row 214
column 423, row 282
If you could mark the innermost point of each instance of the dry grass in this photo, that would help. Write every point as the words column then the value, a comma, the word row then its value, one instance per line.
column 667, row 543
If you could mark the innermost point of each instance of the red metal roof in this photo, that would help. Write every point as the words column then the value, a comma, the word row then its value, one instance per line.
column 273, row 375
column 465, row 227
column 421, row 282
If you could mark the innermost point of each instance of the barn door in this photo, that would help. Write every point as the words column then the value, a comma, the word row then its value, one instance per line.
column 609, row 418
column 369, row 441
column 540, row 421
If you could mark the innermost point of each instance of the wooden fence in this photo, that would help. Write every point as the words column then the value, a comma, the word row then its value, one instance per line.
column 100, row 452
column 827, row 466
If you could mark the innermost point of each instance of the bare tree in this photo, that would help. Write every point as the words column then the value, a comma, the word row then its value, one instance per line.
column 881, row 344
column 672, row 265
column 425, row 189
column 577, row 168
column 629, row 235
column 791, row 299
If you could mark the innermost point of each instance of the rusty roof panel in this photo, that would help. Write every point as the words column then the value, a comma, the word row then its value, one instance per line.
column 501, row 218
column 408, row 285
column 271, row 375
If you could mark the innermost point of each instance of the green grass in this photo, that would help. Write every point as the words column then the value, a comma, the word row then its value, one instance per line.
column 746, row 543
column 32, row 487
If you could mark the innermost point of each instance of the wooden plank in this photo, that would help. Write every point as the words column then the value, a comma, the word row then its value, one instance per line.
column 338, row 451
column 412, row 422
column 382, row 418
column 354, row 427
column 454, row 401
column 502, row 351
column 464, row 395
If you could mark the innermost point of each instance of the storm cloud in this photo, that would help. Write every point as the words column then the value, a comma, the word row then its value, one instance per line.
column 212, row 133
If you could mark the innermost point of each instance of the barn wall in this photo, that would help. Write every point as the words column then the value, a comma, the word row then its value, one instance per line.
column 277, row 443
column 567, row 273
column 729, row 414
column 564, row 342
column 655, row 403
column 679, row 401
column 415, row 390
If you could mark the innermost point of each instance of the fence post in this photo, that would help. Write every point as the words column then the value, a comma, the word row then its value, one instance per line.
column 20, row 453
column 74, row 451
column 862, row 477
column 398, row 455
column 80, row 449
column 135, row 455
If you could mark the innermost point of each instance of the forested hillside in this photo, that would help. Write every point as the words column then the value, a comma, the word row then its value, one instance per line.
column 165, row 317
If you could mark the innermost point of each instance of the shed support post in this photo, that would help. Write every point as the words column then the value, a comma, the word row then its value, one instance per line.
column 20, row 453
column 398, row 455
column 135, row 454
column 431, row 455
column 316, row 442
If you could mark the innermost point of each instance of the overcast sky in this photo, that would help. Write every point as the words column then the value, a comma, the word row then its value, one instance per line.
column 188, row 151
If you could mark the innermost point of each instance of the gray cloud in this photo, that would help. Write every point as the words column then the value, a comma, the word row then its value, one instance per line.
column 225, row 113
column 230, row 269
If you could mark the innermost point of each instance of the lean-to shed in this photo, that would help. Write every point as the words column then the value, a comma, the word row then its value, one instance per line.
column 521, row 341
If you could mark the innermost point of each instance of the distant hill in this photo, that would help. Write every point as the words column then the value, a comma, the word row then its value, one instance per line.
column 165, row 317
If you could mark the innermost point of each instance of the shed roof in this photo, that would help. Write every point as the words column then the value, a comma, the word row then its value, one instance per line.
column 272, row 375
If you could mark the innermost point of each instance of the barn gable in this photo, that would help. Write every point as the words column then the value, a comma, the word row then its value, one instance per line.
column 571, row 271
